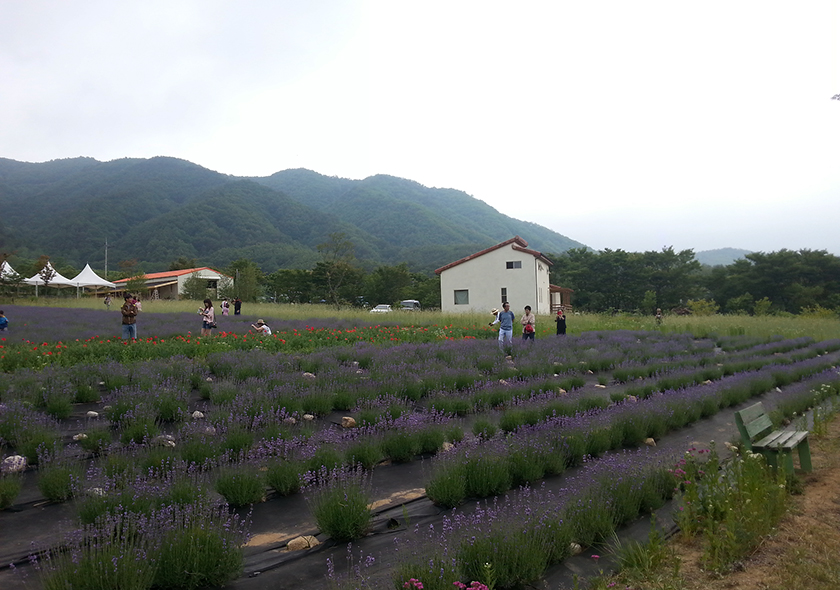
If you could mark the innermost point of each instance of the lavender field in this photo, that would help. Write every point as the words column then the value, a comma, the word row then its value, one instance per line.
column 431, row 453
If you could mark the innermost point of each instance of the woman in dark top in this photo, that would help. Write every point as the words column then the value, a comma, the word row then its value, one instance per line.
column 561, row 322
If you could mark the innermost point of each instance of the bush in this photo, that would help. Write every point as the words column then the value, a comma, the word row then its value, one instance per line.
column 284, row 476
column 240, row 486
column 10, row 486
column 339, row 502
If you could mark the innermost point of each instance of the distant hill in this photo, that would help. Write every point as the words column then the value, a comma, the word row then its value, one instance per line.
column 158, row 209
column 721, row 256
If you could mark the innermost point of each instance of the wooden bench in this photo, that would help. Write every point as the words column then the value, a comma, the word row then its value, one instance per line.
column 758, row 435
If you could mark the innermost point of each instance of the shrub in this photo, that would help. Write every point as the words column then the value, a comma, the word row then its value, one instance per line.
column 240, row 486
column 339, row 502
column 10, row 486
column 284, row 476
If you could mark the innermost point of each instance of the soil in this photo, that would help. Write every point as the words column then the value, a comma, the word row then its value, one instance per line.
column 802, row 554
column 401, row 504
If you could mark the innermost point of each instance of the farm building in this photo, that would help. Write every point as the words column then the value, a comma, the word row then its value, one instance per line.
column 170, row 284
column 509, row 271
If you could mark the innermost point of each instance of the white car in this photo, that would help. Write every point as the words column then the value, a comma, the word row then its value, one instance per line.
column 381, row 308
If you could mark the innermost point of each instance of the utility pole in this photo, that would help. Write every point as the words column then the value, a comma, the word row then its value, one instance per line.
column 106, row 259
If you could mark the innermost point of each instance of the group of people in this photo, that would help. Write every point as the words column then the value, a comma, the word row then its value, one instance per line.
column 132, row 307
column 506, row 318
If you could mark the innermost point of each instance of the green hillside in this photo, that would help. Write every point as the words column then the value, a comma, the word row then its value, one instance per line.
column 159, row 209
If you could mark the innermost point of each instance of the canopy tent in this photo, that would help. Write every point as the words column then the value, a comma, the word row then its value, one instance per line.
column 88, row 278
column 58, row 280
column 6, row 271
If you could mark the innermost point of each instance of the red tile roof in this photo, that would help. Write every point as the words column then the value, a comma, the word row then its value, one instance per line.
column 172, row 273
column 515, row 242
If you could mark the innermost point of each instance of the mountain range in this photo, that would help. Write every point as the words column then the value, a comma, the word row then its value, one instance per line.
column 159, row 209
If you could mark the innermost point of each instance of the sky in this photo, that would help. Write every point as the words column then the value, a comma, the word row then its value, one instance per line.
column 622, row 125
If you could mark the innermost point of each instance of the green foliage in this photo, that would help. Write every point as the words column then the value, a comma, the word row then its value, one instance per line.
column 195, row 288
column 340, row 503
column 247, row 277
column 10, row 486
column 240, row 486
column 702, row 307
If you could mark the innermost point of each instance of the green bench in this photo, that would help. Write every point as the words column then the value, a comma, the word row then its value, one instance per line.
column 758, row 435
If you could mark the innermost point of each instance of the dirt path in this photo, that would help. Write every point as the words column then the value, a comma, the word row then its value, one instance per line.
column 803, row 553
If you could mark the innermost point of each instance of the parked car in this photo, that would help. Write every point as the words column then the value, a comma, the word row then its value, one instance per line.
column 410, row 305
column 381, row 308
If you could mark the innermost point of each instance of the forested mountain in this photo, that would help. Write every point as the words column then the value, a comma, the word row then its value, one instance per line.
column 720, row 256
column 156, row 210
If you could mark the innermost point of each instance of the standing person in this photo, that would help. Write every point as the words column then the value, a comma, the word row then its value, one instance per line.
column 137, row 304
column 561, row 322
column 225, row 307
column 4, row 321
column 237, row 306
column 261, row 328
column 208, row 317
column 107, row 302
column 529, row 325
column 505, row 319
column 658, row 317
column 129, row 318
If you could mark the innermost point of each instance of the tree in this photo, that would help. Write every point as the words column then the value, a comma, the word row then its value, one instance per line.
column 183, row 263
column 387, row 284
column 195, row 288
column 291, row 285
column 247, row 277
column 136, row 285
column 337, row 274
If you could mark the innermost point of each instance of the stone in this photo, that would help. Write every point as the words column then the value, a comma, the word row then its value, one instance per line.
column 291, row 421
column 308, row 375
column 209, row 380
column 197, row 415
column 308, row 417
column 210, row 431
column 599, row 386
column 13, row 464
column 99, row 492
column 92, row 414
column 164, row 440
column 301, row 543
column 447, row 446
column 359, row 372
column 348, row 422
column 631, row 398
column 562, row 391
column 575, row 549
column 650, row 442
column 80, row 436
column 101, row 383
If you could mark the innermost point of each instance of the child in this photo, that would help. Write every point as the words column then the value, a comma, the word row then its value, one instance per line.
column 4, row 322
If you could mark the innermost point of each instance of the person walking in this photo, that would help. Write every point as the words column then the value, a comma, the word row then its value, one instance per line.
column 208, row 318
column 529, row 325
column 237, row 306
column 561, row 322
column 129, row 318
column 505, row 319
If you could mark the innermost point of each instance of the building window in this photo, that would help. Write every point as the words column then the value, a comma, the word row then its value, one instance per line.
column 504, row 294
column 462, row 297
column 513, row 264
column 212, row 284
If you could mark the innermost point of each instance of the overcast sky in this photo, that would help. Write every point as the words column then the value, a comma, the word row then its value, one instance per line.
column 631, row 125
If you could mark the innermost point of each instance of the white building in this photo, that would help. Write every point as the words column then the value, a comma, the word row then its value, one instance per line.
column 505, row 272
column 170, row 284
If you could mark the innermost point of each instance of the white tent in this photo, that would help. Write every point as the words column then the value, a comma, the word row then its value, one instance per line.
column 6, row 270
column 88, row 278
column 57, row 281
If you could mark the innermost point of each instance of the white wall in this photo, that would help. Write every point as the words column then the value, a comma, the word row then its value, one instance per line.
column 485, row 276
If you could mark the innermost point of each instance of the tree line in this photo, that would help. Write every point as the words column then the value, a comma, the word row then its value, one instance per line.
column 785, row 281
